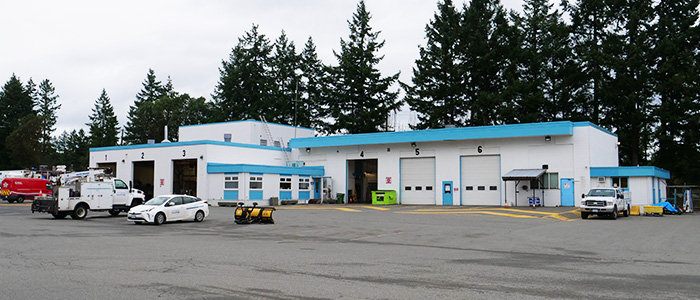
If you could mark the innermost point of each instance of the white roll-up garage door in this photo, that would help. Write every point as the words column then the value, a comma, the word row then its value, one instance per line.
column 418, row 180
column 481, row 180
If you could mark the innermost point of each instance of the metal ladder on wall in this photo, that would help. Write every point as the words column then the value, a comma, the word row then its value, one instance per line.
column 271, row 139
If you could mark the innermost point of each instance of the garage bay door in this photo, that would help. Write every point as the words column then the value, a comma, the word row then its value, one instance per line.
column 418, row 180
column 481, row 180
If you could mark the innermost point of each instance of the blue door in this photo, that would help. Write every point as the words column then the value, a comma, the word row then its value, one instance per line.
column 447, row 193
column 567, row 191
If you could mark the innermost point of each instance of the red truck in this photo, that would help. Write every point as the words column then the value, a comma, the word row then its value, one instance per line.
column 20, row 189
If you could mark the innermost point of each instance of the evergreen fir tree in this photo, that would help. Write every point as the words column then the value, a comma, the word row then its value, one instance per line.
column 73, row 149
column 16, row 103
column 545, row 45
column 488, row 46
column 437, row 93
column 360, row 100
column 47, row 108
column 629, row 91
column 312, row 89
column 104, row 126
column 139, row 126
column 245, row 85
column 284, row 66
column 590, row 21
column 677, row 40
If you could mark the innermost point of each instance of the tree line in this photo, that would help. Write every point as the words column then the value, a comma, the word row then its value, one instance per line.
column 628, row 66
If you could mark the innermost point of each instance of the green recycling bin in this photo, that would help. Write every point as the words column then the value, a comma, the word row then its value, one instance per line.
column 340, row 198
column 383, row 197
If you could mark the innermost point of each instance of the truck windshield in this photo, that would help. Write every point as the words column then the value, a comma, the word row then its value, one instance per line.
column 601, row 193
column 157, row 201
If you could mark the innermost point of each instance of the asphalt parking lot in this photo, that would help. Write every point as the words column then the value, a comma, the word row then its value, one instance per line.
column 352, row 252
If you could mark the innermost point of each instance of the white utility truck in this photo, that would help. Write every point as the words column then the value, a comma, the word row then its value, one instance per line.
column 605, row 202
column 91, row 190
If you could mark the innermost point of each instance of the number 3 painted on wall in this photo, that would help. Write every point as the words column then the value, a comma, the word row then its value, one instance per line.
column 184, row 153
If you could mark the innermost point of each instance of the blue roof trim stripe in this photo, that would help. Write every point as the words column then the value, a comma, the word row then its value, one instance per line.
column 650, row 171
column 264, row 169
column 444, row 134
column 242, row 121
column 585, row 123
column 189, row 143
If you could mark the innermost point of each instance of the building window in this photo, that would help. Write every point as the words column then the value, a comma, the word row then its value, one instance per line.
column 304, row 183
column 620, row 182
column 285, row 183
column 548, row 181
column 263, row 142
column 231, row 182
column 256, row 182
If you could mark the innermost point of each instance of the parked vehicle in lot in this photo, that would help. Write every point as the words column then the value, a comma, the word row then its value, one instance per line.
column 94, row 191
column 167, row 208
column 20, row 189
column 605, row 202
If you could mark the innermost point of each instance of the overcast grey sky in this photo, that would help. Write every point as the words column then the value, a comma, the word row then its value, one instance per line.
column 85, row 46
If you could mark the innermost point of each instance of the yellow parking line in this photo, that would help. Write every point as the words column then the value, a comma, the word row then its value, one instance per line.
column 492, row 211
column 346, row 209
column 375, row 207
column 471, row 212
column 15, row 204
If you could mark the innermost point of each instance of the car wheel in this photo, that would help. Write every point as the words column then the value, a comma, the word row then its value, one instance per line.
column 199, row 216
column 584, row 215
column 79, row 213
column 60, row 215
column 10, row 201
column 613, row 215
column 138, row 222
column 159, row 219
column 114, row 212
column 20, row 199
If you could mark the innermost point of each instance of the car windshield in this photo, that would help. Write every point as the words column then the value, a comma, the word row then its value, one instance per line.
column 601, row 193
column 157, row 200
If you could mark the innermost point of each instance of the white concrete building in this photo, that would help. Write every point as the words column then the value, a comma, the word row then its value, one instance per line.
column 551, row 164
column 468, row 166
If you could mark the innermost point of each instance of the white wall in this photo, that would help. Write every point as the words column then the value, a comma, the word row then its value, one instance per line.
column 245, row 132
column 569, row 156
column 164, row 155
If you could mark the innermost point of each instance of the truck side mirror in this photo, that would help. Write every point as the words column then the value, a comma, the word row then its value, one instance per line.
column 583, row 196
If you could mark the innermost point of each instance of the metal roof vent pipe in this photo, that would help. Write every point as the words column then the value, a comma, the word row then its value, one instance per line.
column 166, row 135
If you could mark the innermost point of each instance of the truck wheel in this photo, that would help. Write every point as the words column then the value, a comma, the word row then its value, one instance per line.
column 60, row 215
column 159, row 219
column 114, row 212
column 584, row 215
column 626, row 213
column 20, row 199
column 199, row 216
column 79, row 213
column 613, row 215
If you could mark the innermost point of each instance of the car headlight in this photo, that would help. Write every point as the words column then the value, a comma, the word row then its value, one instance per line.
column 583, row 203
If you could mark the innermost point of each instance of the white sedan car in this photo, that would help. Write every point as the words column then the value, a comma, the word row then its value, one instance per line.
column 169, row 208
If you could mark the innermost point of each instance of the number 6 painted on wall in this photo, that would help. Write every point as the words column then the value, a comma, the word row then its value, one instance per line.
column 479, row 149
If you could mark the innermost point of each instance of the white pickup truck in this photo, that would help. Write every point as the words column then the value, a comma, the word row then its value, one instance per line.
column 605, row 202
